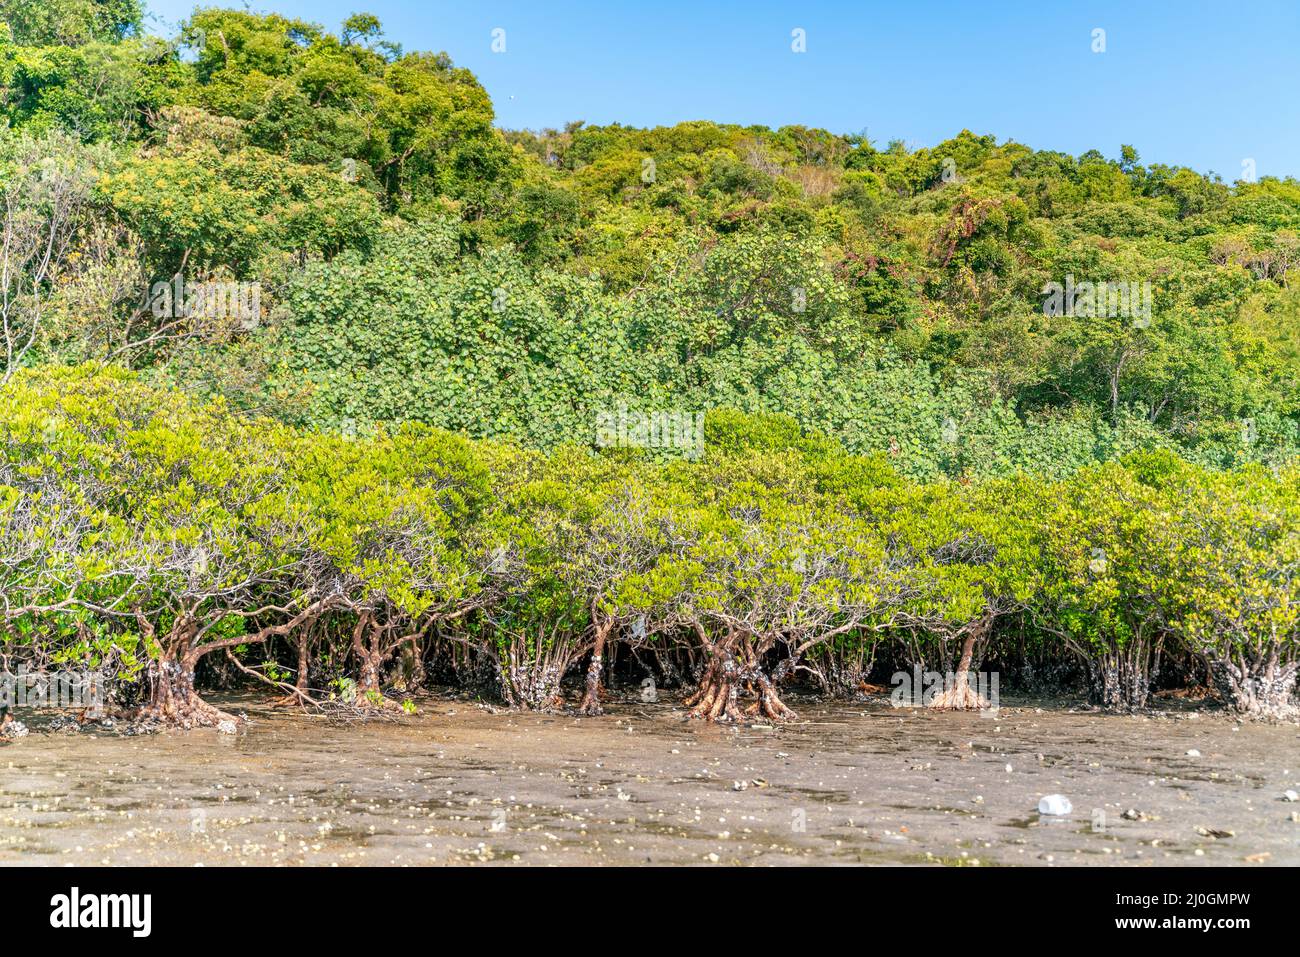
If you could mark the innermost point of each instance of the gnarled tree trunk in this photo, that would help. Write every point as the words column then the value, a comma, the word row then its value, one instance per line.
column 530, row 672
column 841, row 668
column 732, row 667
column 300, row 694
column 961, row 696
column 172, row 698
column 1258, row 684
column 591, row 697
column 1120, row 676
column 373, row 646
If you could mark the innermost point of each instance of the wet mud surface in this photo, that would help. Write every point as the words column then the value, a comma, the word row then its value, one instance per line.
column 844, row 784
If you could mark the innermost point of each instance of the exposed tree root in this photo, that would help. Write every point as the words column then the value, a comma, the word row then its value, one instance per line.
column 296, row 698
column 174, row 703
column 529, row 670
column 769, row 703
column 591, row 698
column 590, row 704
column 960, row 697
column 717, row 697
column 344, row 713
column 532, row 688
column 1120, row 680
column 841, row 671
column 1261, row 689
column 372, row 701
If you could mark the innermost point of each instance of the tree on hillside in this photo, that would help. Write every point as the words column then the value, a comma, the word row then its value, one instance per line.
column 70, row 22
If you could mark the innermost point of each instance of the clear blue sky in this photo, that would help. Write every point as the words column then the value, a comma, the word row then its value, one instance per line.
column 1201, row 84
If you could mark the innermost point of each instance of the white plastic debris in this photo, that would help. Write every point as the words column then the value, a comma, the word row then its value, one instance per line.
column 1290, row 796
column 227, row 727
column 1055, row 804
column 1193, row 753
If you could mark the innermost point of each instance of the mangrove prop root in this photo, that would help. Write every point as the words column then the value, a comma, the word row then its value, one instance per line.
column 591, row 698
column 173, row 701
column 717, row 698
column 373, row 702
column 960, row 697
column 1261, row 689
column 771, row 705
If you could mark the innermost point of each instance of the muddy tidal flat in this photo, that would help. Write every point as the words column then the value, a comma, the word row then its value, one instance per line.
column 847, row 784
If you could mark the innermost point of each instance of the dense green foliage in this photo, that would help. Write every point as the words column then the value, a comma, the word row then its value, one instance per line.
column 417, row 263
column 395, row 454
column 141, row 524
